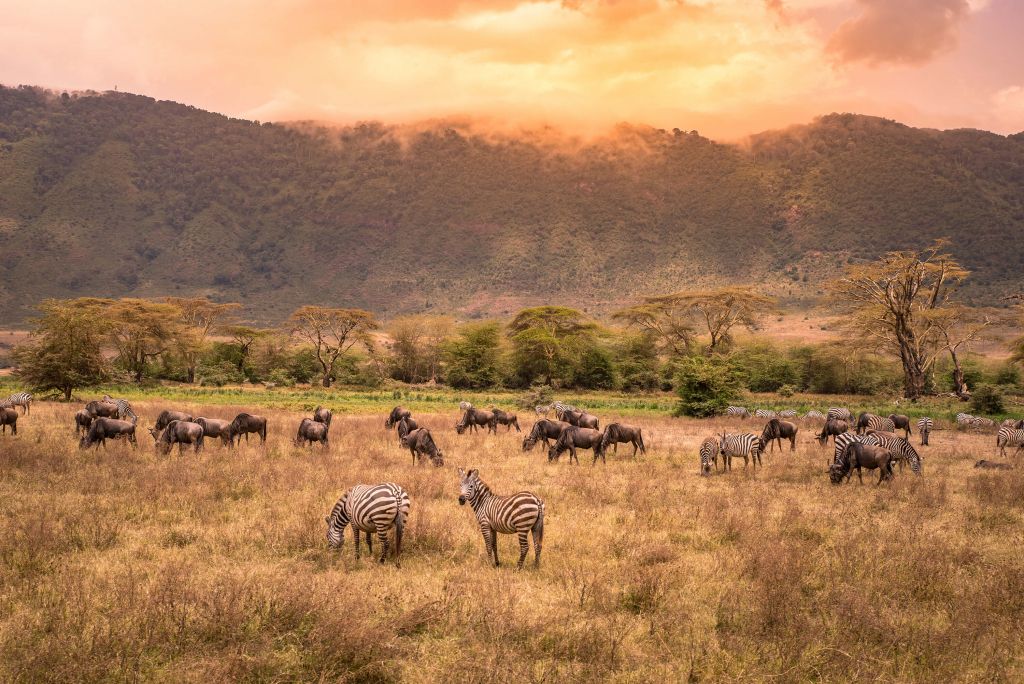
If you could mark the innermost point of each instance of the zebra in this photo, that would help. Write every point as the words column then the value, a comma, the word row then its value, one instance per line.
column 788, row 413
column 542, row 411
column 746, row 445
column 924, row 428
column 22, row 399
column 980, row 422
column 370, row 508
column 839, row 414
column 737, row 411
column 880, row 424
column 124, row 409
column 709, row 449
column 561, row 409
column 815, row 415
column 1009, row 422
column 521, row 513
column 765, row 413
column 965, row 419
column 1010, row 437
column 901, row 450
column 465, row 406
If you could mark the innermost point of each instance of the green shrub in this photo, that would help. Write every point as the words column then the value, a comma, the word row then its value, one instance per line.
column 219, row 374
column 787, row 391
column 1007, row 374
column 987, row 399
column 706, row 386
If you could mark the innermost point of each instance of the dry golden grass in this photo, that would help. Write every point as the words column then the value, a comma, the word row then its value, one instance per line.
column 120, row 564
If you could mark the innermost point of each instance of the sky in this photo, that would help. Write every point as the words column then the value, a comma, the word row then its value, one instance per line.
column 727, row 68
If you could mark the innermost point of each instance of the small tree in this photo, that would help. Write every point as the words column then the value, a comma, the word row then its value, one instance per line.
column 140, row 329
column 243, row 337
column 473, row 358
column 547, row 341
column 987, row 400
column 199, row 316
column 706, row 386
column 331, row 333
column 415, row 349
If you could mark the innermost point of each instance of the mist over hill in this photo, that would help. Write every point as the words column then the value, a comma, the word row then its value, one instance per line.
column 121, row 195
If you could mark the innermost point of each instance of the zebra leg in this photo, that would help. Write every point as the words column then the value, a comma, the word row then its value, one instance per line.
column 494, row 547
column 382, row 534
column 355, row 535
column 486, row 532
column 524, row 548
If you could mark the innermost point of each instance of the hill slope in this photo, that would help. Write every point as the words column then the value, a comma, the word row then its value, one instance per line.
column 119, row 194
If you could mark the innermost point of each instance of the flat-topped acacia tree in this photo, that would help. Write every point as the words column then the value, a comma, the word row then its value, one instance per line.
column 331, row 333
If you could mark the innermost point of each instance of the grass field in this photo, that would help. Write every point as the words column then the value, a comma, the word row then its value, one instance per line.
column 122, row 565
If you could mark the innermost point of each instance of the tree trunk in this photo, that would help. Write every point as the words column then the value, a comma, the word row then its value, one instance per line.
column 67, row 393
column 959, row 384
column 191, row 374
column 327, row 380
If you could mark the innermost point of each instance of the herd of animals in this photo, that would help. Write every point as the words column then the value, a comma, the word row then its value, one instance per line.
column 868, row 443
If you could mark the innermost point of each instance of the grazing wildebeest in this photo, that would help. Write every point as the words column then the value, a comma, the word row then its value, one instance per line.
column 405, row 426
column 509, row 420
column 474, row 417
column 9, row 416
column 102, row 409
column 993, row 465
column 322, row 415
column 775, row 431
column 397, row 414
column 420, row 442
column 166, row 417
column 573, row 437
column 103, row 429
column 180, row 432
column 544, row 429
column 617, row 432
column 216, row 428
column 83, row 419
column 312, row 431
column 244, row 423
column 832, row 428
column 901, row 422
column 859, row 456
column 581, row 419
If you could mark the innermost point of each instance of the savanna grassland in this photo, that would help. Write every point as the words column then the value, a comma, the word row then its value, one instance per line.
column 119, row 564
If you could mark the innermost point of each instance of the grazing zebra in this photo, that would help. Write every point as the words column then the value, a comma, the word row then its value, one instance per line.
column 709, row 449
column 965, row 420
column 839, row 414
column 520, row 514
column 746, row 445
column 124, row 409
column 22, row 399
column 901, row 450
column 879, row 424
column 370, row 508
column 815, row 415
column 765, row 413
column 788, row 413
column 562, row 409
column 465, row 406
column 737, row 412
column 1011, row 437
column 980, row 422
column 542, row 411
column 924, row 428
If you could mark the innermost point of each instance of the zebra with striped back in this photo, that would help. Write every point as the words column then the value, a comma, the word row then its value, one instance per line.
column 765, row 413
column 562, row 409
column 521, row 514
column 901, row 449
column 1009, row 437
column 814, row 415
column 22, row 399
column 370, row 509
column 124, row 409
column 737, row 412
column 465, row 406
column 788, row 413
column 837, row 413
column 982, row 422
column 846, row 439
column 542, row 411
column 880, row 424
column 746, row 445
column 964, row 420
column 709, row 449
column 924, row 428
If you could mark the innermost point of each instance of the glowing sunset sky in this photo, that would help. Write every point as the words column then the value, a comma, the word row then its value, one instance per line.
column 725, row 67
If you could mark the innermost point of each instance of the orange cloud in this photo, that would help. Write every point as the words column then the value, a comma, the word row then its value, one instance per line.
column 899, row 31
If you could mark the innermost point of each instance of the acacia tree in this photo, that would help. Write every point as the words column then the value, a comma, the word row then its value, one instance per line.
column 666, row 320
column 199, row 317
column 140, row 329
column 243, row 337
column 332, row 332
column 958, row 327
column 902, row 303
column 545, row 338
column 416, row 346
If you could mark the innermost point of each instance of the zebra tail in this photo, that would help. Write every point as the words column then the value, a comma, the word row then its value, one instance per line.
column 399, row 528
column 538, row 527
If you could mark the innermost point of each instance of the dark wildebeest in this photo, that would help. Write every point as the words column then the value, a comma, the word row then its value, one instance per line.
column 474, row 417
column 775, row 431
column 859, row 456
column 322, row 415
column 83, row 419
column 244, row 423
column 993, row 465
column 215, row 428
column 573, row 437
column 832, row 428
column 397, row 414
column 544, row 429
column 180, row 432
column 617, row 432
column 420, row 442
column 102, row 409
column 405, row 426
column 9, row 416
column 581, row 419
column 509, row 420
column 312, row 431
column 901, row 422
column 165, row 418
column 103, row 429
column 863, row 422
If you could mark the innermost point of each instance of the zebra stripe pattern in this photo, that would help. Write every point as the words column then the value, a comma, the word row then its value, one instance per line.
column 708, row 454
column 1009, row 437
column 561, row 409
column 847, row 438
column 788, row 413
column 817, row 415
column 900, row 449
column 983, row 422
column 880, row 424
column 124, row 409
column 22, row 399
column 737, row 411
column 745, row 445
column 370, row 509
column 924, row 428
column 765, row 413
column 836, row 413
column 465, row 406
column 521, row 514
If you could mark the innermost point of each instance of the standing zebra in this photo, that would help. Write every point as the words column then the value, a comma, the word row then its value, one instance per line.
column 814, row 415
column 879, row 424
column 1011, row 437
column 22, row 399
column 709, row 449
column 521, row 513
column 764, row 413
column 562, row 409
column 901, row 450
column 965, row 420
column 981, row 422
column 839, row 414
column 465, row 406
column 746, row 445
column 737, row 412
column 788, row 413
column 370, row 508
column 124, row 409
column 924, row 428
column 542, row 411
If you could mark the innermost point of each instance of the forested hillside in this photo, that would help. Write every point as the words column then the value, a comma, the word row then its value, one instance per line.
column 119, row 194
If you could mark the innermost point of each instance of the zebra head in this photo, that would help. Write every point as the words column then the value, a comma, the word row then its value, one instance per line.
column 721, row 444
column 336, row 523
column 469, row 486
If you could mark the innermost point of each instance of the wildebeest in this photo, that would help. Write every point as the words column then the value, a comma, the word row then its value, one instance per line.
column 543, row 430
column 509, row 420
column 859, row 456
column 863, row 422
column 322, row 415
column 775, row 431
column 103, row 429
column 216, row 428
column 901, row 422
column 617, row 432
column 83, row 419
column 573, row 437
column 312, row 431
column 405, row 426
column 473, row 417
column 244, row 423
column 993, row 465
column 180, row 432
column 397, row 414
column 832, row 428
column 102, row 409
column 9, row 416
column 581, row 419
column 420, row 442
column 167, row 416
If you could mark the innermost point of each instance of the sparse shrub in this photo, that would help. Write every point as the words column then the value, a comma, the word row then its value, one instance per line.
column 987, row 399
column 787, row 391
column 706, row 386
column 219, row 374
